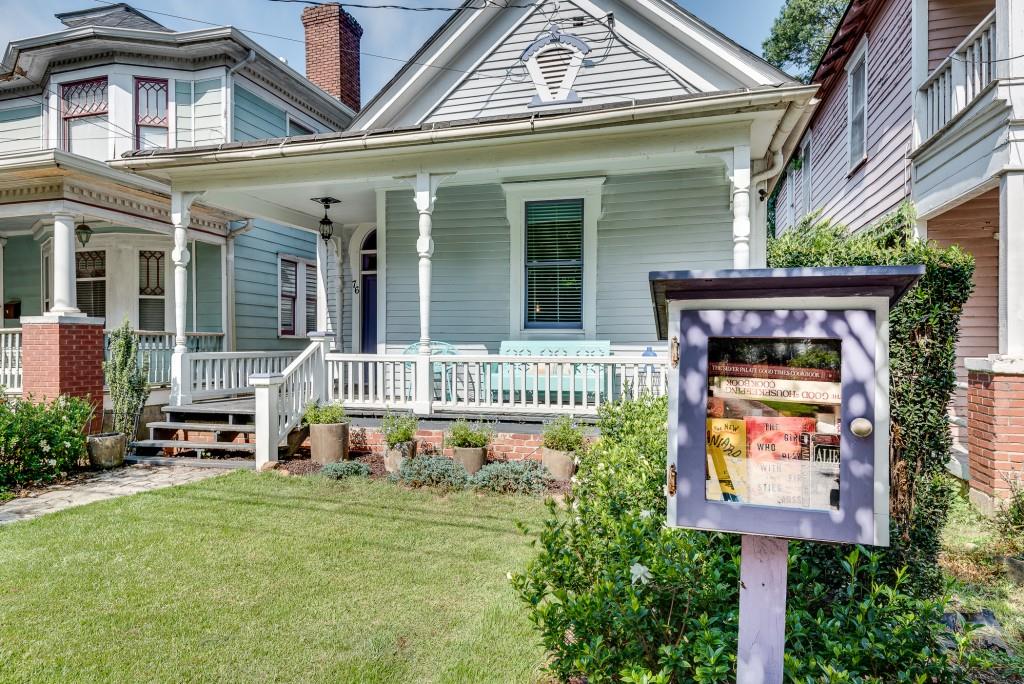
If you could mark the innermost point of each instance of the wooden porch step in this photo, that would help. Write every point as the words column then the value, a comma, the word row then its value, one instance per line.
column 202, row 427
column 222, row 463
column 185, row 445
column 241, row 407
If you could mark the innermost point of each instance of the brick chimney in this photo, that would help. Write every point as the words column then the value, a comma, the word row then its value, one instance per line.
column 332, row 51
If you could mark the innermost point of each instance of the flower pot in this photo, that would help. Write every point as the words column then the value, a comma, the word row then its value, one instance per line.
column 471, row 457
column 395, row 455
column 562, row 464
column 106, row 450
column 328, row 442
column 1015, row 568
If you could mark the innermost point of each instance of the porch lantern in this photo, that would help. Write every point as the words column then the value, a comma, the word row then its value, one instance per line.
column 83, row 233
column 326, row 225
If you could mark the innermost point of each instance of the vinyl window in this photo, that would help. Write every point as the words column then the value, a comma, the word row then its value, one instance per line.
column 805, row 178
column 857, row 105
column 296, row 297
column 553, row 279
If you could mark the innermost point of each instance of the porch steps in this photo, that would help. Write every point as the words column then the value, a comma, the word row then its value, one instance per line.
column 201, row 427
column 224, row 428
column 184, row 445
column 223, row 463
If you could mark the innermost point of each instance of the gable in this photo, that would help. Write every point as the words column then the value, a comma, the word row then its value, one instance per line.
column 560, row 54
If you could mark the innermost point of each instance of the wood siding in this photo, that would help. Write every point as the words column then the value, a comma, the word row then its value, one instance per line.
column 256, row 118
column 21, row 276
column 972, row 225
column 21, row 129
column 613, row 73
column 881, row 182
column 949, row 22
column 199, row 112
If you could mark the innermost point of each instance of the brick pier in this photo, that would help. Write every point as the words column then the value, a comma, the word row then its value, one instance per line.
column 995, row 427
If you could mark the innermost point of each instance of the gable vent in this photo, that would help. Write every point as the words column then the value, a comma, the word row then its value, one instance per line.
column 553, row 62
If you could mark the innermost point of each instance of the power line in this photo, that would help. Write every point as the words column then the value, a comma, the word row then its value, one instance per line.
column 485, row 4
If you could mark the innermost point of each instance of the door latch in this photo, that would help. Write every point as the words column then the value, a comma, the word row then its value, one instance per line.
column 671, row 484
column 674, row 352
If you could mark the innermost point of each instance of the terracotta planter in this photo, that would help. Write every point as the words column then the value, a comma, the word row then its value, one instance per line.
column 471, row 457
column 395, row 455
column 1015, row 568
column 106, row 450
column 562, row 464
column 328, row 442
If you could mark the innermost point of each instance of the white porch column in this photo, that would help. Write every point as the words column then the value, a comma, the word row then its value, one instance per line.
column 740, row 177
column 181, row 383
column 3, row 242
column 64, row 297
column 1011, row 256
column 323, row 271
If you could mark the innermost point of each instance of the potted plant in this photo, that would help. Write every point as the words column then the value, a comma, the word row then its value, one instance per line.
column 562, row 440
column 128, row 384
column 469, row 443
column 400, row 436
column 328, row 432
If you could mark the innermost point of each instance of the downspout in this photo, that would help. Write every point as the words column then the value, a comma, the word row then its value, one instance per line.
column 229, row 94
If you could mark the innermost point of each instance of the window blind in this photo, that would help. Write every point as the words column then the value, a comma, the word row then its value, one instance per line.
column 289, row 292
column 91, row 282
column 310, row 299
column 554, row 264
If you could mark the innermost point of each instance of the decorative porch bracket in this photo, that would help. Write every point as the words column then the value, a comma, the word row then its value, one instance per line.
column 181, row 206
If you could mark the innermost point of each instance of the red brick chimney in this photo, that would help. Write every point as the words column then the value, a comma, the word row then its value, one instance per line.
column 332, row 51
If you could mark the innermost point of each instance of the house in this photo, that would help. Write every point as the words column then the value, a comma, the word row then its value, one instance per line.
column 79, row 237
column 920, row 100
column 502, row 201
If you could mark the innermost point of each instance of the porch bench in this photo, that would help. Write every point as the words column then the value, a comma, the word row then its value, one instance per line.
column 516, row 377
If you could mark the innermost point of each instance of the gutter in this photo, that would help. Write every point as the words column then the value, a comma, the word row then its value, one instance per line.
column 369, row 142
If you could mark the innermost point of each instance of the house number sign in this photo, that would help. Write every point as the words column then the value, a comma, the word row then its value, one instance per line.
column 778, row 420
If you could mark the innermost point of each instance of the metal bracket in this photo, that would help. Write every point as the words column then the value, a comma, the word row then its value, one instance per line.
column 672, row 480
column 674, row 352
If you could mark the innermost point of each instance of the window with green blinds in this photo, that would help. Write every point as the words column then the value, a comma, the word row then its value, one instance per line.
column 554, row 264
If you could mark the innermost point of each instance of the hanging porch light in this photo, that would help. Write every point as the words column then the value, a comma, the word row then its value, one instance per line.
column 83, row 233
column 326, row 225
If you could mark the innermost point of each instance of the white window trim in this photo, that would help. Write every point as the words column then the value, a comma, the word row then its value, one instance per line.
column 806, row 180
column 516, row 197
column 859, row 55
column 300, row 296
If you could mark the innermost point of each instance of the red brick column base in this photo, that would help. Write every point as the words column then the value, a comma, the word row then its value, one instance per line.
column 995, row 427
column 63, row 355
column 510, row 446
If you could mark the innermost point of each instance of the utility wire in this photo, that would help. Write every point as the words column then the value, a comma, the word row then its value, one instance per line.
column 484, row 4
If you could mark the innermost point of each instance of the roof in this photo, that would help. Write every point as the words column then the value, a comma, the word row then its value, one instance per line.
column 119, row 15
column 823, row 281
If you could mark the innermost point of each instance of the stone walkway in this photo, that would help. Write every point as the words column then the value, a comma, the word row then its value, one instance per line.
column 107, row 485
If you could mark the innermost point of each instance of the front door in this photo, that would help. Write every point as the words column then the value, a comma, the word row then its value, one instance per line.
column 368, row 293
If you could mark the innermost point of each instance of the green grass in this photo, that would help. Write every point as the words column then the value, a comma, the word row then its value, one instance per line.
column 972, row 557
column 251, row 577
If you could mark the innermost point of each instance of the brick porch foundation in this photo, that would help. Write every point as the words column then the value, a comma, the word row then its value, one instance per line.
column 63, row 355
column 995, row 427
column 512, row 446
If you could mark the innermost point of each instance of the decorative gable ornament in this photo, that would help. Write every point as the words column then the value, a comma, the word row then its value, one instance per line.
column 553, row 62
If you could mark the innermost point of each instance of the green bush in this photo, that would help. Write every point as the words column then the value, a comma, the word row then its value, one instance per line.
column 562, row 434
column 343, row 469
column 324, row 414
column 462, row 433
column 513, row 477
column 127, row 379
column 923, row 329
column 398, row 428
column 433, row 471
column 1009, row 519
column 40, row 442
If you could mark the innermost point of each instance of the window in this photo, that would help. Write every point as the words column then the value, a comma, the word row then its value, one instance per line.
column 805, row 178
column 91, row 282
column 554, row 264
column 152, row 290
column 84, row 118
column 857, row 107
column 295, row 128
column 150, row 113
column 297, row 297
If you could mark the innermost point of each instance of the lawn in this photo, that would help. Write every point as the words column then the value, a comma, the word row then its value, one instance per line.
column 251, row 577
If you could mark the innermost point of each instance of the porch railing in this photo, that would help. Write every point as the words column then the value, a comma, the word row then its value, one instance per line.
column 368, row 381
column 206, row 375
column 158, row 347
column 10, row 360
column 961, row 77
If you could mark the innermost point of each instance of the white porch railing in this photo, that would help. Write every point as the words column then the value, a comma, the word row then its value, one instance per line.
column 10, row 359
column 158, row 347
column 960, row 79
column 206, row 375
column 369, row 381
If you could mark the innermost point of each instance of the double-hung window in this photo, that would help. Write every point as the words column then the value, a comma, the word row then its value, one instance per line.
column 91, row 282
column 85, row 129
column 805, row 178
column 553, row 278
column 152, row 289
column 150, row 113
column 857, row 105
column 296, row 297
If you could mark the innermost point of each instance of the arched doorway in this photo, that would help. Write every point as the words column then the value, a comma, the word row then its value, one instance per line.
column 364, row 254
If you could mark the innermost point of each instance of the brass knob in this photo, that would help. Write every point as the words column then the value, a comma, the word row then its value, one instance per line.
column 861, row 427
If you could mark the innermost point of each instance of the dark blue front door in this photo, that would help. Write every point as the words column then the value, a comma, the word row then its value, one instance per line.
column 369, row 313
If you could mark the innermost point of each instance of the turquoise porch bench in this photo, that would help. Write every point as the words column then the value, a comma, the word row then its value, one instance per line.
column 520, row 378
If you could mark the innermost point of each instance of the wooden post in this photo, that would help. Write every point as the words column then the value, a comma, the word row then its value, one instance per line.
column 762, row 638
column 266, row 388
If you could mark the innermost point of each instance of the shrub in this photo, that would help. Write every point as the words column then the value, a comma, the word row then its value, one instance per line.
column 1009, row 519
column 462, row 433
column 513, row 477
column 40, row 442
column 127, row 379
column 343, row 469
column 323, row 414
column 562, row 434
column 433, row 471
column 398, row 428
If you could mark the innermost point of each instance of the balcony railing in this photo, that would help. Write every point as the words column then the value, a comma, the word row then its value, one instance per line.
column 960, row 79
column 10, row 360
column 156, row 348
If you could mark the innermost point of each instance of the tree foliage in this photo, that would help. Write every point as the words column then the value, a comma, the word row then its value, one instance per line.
column 801, row 33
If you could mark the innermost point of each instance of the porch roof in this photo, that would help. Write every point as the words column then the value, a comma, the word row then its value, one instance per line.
column 834, row 281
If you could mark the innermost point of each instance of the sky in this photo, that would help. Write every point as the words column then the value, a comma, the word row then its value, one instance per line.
column 389, row 36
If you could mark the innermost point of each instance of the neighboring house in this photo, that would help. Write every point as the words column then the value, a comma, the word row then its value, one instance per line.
column 508, row 193
column 921, row 100
column 78, row 236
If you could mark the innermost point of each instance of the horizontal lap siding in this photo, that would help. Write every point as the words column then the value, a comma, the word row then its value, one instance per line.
column 881, row 183
column 21, row 276
column 653, row 222
column 21, row 129
column 470, row 277
column 256, row 119
column 949, row 22
column 208, row 294
column 199, row 112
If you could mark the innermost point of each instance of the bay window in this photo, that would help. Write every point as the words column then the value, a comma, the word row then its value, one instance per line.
column 84, row 126
column 150, row 113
